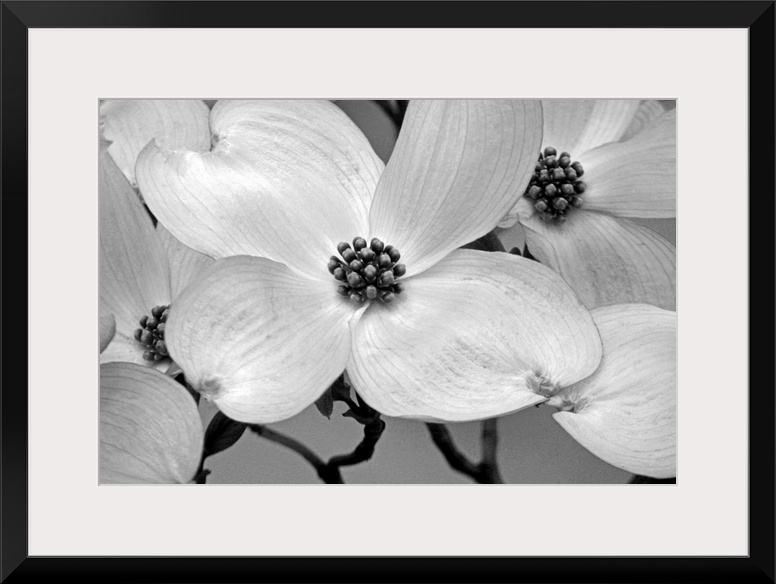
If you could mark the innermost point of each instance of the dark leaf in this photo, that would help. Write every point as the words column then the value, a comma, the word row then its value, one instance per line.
column 325, row 403
column 222, row 432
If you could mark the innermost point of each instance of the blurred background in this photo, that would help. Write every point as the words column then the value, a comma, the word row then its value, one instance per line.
column 533, row 448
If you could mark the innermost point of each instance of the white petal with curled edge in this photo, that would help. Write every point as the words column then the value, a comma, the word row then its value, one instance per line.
column 132, row 123
column 286, row 180
column 150, row 429
column 625, row 413
column 458, row 167
column 579, row 125
column 636, row 178
column 107, row 330
column 185, row 263
column 606, row 260
column 646, row 115
column 478, row 335
column 259, row 340
column 134, row 274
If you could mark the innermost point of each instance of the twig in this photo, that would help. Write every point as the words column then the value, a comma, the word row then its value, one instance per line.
column 364, row 451
column 327, row 474
column 486, row 472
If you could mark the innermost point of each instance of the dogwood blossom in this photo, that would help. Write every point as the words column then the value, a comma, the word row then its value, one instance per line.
column 424, row 329
column 602, row 163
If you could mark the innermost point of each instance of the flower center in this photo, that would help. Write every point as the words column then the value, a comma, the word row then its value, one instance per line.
column 151, row 334
column 555, row 186
column 368, row 272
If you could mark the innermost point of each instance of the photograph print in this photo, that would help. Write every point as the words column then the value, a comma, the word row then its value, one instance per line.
column 387, row 291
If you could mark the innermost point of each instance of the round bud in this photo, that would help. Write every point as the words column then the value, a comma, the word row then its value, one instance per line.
column 560, row 203
column 398, row 288
column 355, row 280
column 356, row 297
column 534, row 191
column 399, row 270
column 157, row 311
column 388, row 297
column 359, row 243
column 367, row 255
column 332, row 265
column 339, row 273
column 143, row 321
column 370, row 273
column 152, row 322
column 551, row 161
column 371, row 292
column 385, row 279
column 550, row 151
column 571, row 174
column 544, row 176
column 558, row 174
column 377, row 246
column 158, row 356
column 541, row 205
column 550, row 190
column 161, row 347
column 148, row 355
column 165, row 314
column 564, row 161
column 160, row 328
column 384, row 261
column 564, row 155
column 137, row 334
column 567, row 189
column 539, row 166
column 356, row 265
column 349, row 255
column 145, row 336
column 576, row 202
column 343, row 290
column 580, row 187
column 342, row 246
column 578, row 168
column 394, row 254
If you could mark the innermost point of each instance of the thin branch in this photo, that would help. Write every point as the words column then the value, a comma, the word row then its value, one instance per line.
column 486, row 472
column 365, row 450
column 329, row 475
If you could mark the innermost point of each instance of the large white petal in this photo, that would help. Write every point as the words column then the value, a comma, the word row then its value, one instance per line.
column 133, row 266
column 457, row 168
column 649, row 112
column 478, row 335
column 132, row 123
column 185, row 263
column 150, row 430
column 635, row 178
column 579, row 125
column 606, row 260
column 625, row 413
column 285, row 180
column 259, row 340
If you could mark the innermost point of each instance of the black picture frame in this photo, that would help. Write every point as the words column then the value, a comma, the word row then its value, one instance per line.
column 18, row 17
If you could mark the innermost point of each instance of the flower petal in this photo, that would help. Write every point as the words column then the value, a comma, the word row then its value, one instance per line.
column 458, row 168
column 646, row 115
column 133, row 265
column 286, row 180
column 478, row 335
column 150, row 429
column 132, row 123
column 259, row 340
column 107, row 330
column 636, row 178
column 579, row 125
column 185, row 263
column 625, row 413
column 606, row 260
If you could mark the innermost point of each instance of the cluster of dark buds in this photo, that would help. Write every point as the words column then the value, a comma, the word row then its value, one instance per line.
column 555, row 186
column 151, row 333
column 368, row 272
